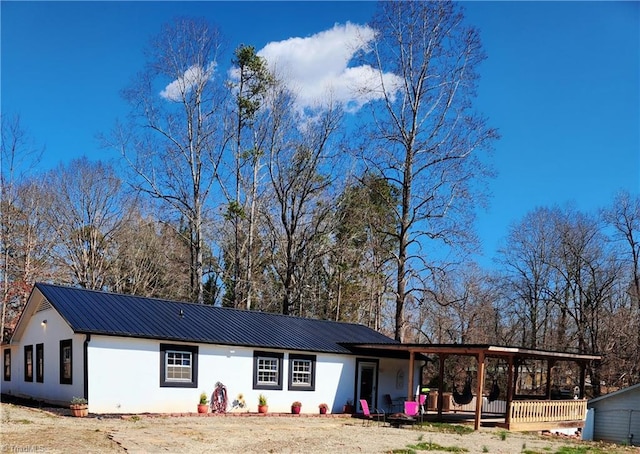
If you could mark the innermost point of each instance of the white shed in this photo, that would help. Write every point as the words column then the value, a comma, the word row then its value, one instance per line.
column 616, row 416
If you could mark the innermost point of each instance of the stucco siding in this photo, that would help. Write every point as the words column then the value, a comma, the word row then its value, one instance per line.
column 49, row 334
column 125, row 378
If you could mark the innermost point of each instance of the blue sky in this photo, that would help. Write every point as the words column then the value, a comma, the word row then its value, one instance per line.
column 561, row 83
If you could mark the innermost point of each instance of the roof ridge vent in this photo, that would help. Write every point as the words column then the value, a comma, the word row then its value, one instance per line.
column 44, row 305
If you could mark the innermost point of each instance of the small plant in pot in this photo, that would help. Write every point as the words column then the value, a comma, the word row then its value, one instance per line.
column 323, row 409
column 262, row 404
column 348, row 407
column 79, row 407
column 295, row 407
column 202, row 405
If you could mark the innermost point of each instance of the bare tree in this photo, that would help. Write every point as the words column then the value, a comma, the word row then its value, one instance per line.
column 298, row 152
column 18, row 216
column 427, row 137
column 624, row 216
column 529, row 274
column 86, row 210
column 149, row 259
column 175, row 138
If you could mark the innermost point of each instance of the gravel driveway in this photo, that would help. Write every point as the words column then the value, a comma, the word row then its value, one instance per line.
column 52, row 431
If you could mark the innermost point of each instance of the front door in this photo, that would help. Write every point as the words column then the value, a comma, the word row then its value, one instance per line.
column 367, row 384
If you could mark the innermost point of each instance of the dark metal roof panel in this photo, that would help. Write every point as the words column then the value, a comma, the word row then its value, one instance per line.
column 90, row 311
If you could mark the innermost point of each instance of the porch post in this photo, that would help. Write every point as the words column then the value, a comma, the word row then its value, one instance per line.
column 441, row 358
column 479, row 397
column 411, row 370
column 583, row 372
column 550, row 364
column 510, row 385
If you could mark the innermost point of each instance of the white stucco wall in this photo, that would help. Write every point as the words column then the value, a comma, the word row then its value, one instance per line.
column 125, row 378
column 49, row 334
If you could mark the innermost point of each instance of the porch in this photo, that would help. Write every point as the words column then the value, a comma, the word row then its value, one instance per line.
column 515, row 409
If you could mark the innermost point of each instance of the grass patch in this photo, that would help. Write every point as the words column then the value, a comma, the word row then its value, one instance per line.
column 441, row 427
column 572, row 450
column 22, row 421
column 429, row 446
column 503, row 434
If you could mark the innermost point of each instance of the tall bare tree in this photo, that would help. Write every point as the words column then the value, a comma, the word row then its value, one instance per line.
column 19, row 220
column 624, row 216
column 529, row 274
column 86, row 210
column 174, row 141
column 298, row 165
column 427, row 137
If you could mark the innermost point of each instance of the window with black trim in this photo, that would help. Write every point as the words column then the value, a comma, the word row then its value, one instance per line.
column 267, row 370
column 40, row 363
column 28, row 363
column 178, row 366
column 7, row 364
column 302, row 372
column 66, row 362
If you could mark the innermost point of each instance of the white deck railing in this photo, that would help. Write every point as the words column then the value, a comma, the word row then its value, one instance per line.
column 547, row 411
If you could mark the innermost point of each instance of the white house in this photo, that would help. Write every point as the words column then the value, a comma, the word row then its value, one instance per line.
column 128, row 354
column 615, row 417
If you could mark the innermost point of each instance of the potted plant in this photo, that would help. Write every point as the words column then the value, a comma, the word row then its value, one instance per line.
column 348, row 407
column 295, row 407
column 323, row 408
column 79, row 407
column 262, row 404
column 202, row 406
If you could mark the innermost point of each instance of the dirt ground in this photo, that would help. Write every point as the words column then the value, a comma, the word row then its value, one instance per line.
column 27, row 429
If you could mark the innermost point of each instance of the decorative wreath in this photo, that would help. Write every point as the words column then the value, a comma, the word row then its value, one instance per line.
column 219, row 399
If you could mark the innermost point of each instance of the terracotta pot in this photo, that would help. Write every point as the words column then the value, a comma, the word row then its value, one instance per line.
column 203, row 408
column 323, row 411
column 348, row 409
column 79, row 410
column 295, row 410
column 263, row 408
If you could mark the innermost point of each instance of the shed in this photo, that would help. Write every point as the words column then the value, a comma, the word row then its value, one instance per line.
column 616, row 416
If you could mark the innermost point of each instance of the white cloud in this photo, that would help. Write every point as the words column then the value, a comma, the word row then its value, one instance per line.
column 191, row 77
column 318, row 66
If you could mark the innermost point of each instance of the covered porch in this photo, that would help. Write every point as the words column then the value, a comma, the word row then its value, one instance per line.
column 548, row 408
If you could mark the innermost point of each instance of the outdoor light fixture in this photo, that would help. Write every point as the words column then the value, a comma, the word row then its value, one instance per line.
column 44, row 322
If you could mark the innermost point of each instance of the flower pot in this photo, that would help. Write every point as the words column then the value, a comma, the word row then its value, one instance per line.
column 323, row 411
column 348, row 409
column 79, row 410
column 295, row 410
column 203, row 408
column 263, row 408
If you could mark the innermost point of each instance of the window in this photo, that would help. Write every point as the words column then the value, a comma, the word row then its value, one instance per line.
column 66, row 362
column 7, row 365
column 302, row 372
column 28, row 363
column 267, row 367
column 40, row 363
column 178, row 366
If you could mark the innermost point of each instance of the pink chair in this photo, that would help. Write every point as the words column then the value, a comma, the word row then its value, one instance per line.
column 377, row 415
column 410, row 408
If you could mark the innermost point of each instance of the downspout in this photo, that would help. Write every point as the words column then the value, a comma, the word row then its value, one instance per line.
column 85, row 353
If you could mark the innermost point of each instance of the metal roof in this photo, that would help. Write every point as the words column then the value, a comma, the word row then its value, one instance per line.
column 96, row 312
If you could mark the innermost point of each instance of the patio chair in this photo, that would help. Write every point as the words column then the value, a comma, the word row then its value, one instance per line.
column 377, row 415
column 388, row 402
